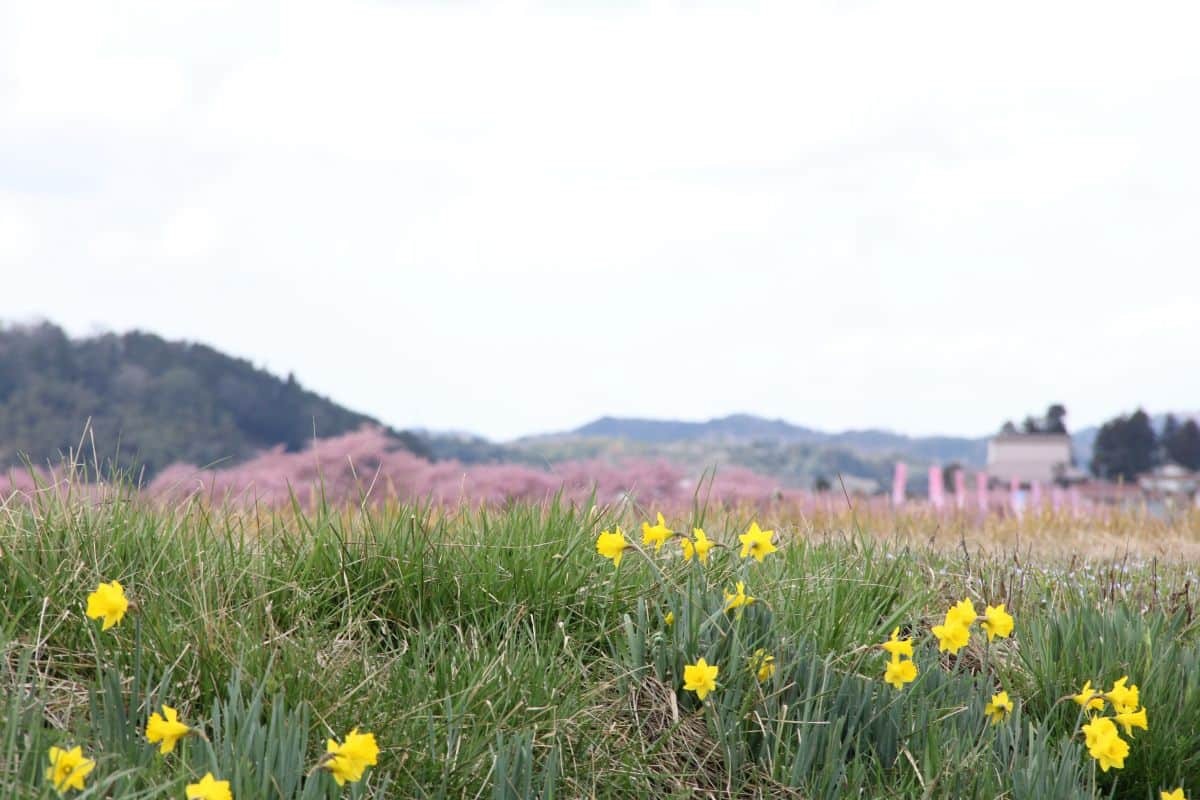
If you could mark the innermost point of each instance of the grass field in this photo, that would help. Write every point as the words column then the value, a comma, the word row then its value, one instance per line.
column 495, row 653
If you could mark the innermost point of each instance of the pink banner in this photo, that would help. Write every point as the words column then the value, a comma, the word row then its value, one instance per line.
column 1014, row 496
column 937, row 491
column 1035, row 495
column 981, row 491
column 960, row 489
column 1076, row 505
column 899, row 481
column 1056, row 498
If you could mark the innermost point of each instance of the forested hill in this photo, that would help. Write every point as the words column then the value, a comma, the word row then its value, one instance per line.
column 158, row 401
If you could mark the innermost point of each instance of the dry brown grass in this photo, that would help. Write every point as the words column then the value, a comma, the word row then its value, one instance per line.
column 1114, row 534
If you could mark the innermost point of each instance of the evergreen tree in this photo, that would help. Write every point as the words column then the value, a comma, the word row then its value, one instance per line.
column 1170, row 427
column 1143, row 443
column 1125, row 447
column 1170, row 430
column 1182, row 445
column 1056, row 417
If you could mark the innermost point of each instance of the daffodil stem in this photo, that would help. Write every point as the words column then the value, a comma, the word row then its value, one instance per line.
column 662, row 577
column 322, row 761
column 137, row 663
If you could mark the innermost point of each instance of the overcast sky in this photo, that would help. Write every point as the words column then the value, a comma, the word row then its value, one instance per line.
column 513, row 218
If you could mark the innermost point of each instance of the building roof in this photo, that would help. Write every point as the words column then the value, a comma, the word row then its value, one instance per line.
column 1038, row 438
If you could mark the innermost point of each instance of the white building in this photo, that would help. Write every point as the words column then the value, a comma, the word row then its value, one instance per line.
column 1170, row 479
column 1029, row 457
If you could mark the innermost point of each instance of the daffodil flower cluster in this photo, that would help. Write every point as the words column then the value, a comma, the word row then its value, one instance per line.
column 756, row 543
column 166, row 730
column 699, row 677
column 69, row 769
column 1105, row 734
column 952, row 635
column 955, row 630
column 1103, row 740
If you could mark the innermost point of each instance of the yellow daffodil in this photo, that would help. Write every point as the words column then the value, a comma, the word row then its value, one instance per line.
column 68, row 768
column 952, row 637
column 209, row 788
column 1088, row 698
column 698, row 548
column 348, row 761
column 166, row 729
column 1104, row 743
column 1132, row 719
column 763, row 664
column 962, row 613
column 757, row 543
column 998, row 708
column 899, row 672
column 997, row 622
column 612, row 545
column 1112, row 753
column 656, row 534
column 897, row 646
column 109, row 602
column 1124, row 698
column 700, row 678
column 1175, row 795
column 1098, row 729
column 737, row 599
column 669, row 618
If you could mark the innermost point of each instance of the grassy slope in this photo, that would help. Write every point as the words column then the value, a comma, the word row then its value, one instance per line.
column 494, row 653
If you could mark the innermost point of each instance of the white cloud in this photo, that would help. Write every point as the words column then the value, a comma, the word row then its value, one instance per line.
column 511, row 217
column 18, row 236
column 191, row 235
column 116, row 249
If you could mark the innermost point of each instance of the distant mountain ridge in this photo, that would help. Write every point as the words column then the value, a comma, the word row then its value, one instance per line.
column 781, row 448
column 152, row 402
column 736, row 426
column 747, row 427
column 796, row 456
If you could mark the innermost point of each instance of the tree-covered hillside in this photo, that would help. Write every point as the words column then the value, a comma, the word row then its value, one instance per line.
column 151, row 402
column 869, row 443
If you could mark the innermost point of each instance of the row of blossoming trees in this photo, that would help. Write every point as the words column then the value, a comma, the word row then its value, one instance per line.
column 366, row 464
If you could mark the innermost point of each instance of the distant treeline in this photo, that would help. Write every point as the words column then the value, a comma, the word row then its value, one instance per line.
column 152, row 402
column 1129, row 446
